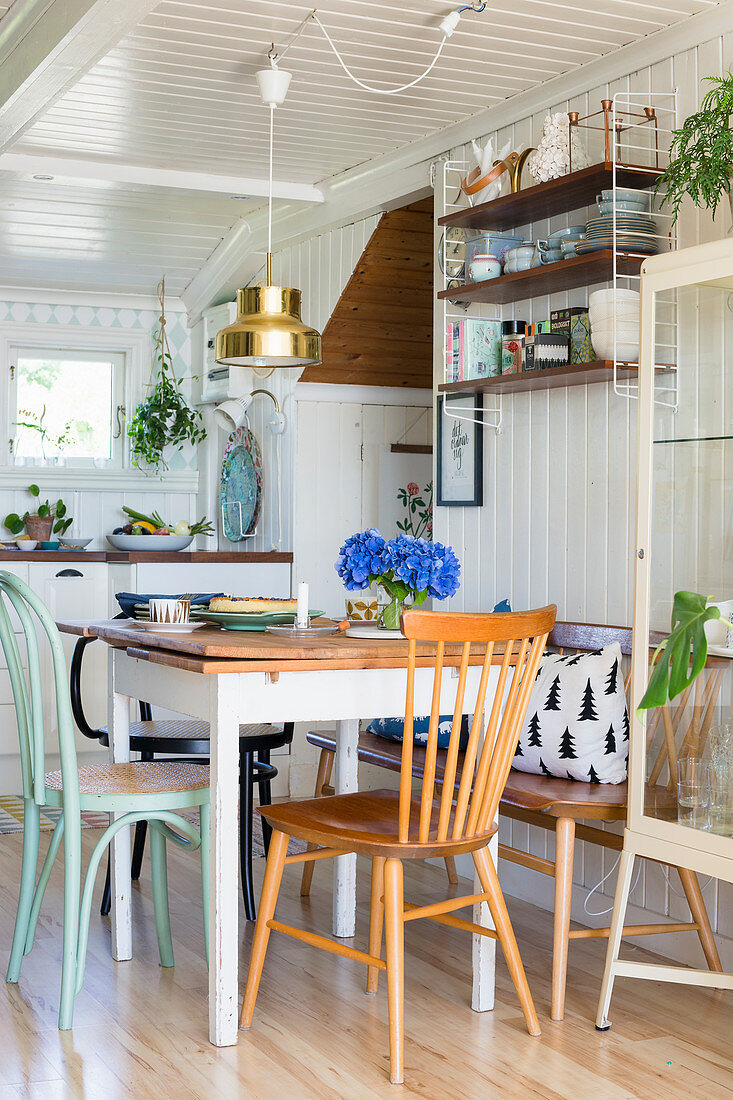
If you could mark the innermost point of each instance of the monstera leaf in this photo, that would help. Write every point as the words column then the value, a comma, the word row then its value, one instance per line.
column 681, row 656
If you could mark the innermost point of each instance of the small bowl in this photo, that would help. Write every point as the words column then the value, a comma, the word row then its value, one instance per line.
column 74, row 542
column 623, row 194
column 25, row 544
column 623, row 207
column 483, row 267
column 572, row 233
column 51, row 544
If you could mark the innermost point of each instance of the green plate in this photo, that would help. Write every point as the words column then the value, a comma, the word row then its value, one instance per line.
column 249, row 620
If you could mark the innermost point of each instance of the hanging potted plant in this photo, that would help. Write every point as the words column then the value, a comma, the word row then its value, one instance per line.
column 164, row 418
column 701, row 153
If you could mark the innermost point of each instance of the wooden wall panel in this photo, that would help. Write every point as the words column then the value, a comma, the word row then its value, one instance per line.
column 381, row 330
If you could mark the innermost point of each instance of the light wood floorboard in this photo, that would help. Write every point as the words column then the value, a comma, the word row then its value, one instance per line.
column 141, row 1031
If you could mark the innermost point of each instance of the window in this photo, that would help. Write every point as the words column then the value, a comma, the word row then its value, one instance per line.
column 66, row 405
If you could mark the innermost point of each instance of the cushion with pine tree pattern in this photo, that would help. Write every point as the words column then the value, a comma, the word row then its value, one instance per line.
column 577, row 723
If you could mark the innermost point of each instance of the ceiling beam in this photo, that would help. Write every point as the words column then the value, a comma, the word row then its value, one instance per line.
column 47, row 46
column 91, row 172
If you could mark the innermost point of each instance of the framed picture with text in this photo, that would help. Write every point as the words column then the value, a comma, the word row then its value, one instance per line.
column 460, row 459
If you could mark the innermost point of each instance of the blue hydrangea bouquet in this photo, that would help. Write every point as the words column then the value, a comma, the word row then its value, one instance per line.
column 409, row 570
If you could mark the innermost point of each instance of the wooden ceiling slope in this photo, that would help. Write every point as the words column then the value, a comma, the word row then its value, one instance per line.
column 381, row 331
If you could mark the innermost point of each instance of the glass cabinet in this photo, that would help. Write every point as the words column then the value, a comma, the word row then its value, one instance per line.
column 681, row 756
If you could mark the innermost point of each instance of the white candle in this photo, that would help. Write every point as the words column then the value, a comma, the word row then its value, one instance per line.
column 301, row 616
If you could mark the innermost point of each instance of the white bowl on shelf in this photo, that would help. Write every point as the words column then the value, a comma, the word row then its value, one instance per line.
column 138, row 543
column 25, row 544
column 622, row 310
column 609, row 295
column 627, row 351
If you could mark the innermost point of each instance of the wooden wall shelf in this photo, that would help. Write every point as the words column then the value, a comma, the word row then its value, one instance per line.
column 548, row 279
column 553, row 378
column 571, row 192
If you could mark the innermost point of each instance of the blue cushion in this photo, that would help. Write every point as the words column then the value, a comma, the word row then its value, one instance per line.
column 392, row 729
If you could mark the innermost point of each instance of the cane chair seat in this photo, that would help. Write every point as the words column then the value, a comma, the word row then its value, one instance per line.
column 366, row 822
column 136, row 778
column 161, row 735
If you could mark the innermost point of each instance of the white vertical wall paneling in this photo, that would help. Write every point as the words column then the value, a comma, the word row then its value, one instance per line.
column 559, row 481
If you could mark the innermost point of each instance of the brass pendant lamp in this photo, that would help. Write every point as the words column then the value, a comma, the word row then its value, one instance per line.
column 268, row 331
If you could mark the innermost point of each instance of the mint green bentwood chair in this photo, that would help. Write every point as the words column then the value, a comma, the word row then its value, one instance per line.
column 138, row 791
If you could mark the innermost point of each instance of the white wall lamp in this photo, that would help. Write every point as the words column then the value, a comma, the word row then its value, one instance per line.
column 230, row 414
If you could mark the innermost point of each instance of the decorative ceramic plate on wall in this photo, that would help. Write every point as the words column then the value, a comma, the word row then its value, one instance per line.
column 240, row 491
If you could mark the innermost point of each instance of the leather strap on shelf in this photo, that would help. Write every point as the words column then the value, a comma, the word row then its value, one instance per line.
column 472, row 184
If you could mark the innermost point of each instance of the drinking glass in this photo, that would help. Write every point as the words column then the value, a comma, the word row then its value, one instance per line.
column 693, row 792
column 720, row 762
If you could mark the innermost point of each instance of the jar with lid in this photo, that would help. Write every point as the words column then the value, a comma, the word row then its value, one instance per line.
column 512, row 344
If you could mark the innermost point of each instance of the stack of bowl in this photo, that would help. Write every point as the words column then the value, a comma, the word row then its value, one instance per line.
column 615, row 311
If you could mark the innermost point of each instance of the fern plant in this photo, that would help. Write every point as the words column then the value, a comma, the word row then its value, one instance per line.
column 701, row 152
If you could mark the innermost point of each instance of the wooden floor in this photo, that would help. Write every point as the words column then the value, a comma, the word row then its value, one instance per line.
column 141, row 1031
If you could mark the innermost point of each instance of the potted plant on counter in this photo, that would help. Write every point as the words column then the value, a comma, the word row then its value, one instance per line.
column 39, row 525
column 681, row 657
column 701, row 153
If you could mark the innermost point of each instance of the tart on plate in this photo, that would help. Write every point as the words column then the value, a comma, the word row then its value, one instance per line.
column 252, row 604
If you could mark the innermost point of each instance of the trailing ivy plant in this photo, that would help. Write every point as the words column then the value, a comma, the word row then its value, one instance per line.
column 681, row 657
column 164, row 418
column 701, row 153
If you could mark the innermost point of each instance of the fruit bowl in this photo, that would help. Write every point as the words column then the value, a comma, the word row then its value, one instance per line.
column 139, row 543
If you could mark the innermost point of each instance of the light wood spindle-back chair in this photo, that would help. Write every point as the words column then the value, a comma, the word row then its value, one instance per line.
column 391, row 826
column 155, row 792
column 574, row 810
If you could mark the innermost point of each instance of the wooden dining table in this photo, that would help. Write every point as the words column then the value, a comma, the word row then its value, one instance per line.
column 226, row 678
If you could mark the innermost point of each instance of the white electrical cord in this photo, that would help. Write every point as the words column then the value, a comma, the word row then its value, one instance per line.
column 269, row 193
column 370, row 87
column 598, row 885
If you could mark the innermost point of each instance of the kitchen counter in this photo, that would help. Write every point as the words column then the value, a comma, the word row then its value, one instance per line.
column 204, row 557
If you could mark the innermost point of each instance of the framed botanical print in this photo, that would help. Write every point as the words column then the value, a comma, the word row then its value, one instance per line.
column 460, row 459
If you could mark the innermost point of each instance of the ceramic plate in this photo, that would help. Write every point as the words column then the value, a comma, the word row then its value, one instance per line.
column 645, row 248
column 240, row 491
column 163, row 628
column 252, row 620
column 368, row 631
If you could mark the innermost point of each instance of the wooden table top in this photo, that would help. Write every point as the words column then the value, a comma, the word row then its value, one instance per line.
column 212, row 650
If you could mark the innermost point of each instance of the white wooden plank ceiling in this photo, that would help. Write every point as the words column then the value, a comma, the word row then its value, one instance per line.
column 179, row 93
column 180, row 90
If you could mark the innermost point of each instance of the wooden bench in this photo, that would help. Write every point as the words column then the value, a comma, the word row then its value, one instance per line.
column 561, row 806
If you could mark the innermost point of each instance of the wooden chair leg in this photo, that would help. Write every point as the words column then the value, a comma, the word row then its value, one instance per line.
column 450, row 870
column 696, row 902
column 323, row 777
column 564, row 845
column 376, row 921
column 268, row 900
column 490, row 882
column 394, row 927
column 106, row 902
column 138, row 849
column 31, row 831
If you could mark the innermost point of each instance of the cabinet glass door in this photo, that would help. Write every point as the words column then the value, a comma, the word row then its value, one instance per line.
column 688, row 744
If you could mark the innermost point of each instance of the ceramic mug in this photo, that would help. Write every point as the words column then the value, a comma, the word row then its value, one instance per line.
column 545, row 255
column 362, row 607
column 169, row 610
column 483, row 267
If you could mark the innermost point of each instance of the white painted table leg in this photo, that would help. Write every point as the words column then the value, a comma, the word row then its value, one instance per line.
column 346, row 779
column 483, row 949
column 223, row 861
column 118, row 724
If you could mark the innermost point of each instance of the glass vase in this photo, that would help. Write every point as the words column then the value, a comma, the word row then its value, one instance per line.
column 391, row 608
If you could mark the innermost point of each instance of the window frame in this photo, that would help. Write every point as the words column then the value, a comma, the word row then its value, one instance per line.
column 118, row 360
column 136, row 349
